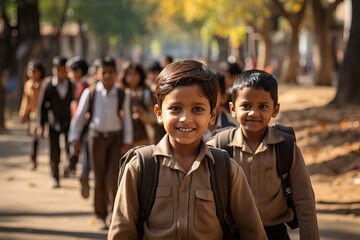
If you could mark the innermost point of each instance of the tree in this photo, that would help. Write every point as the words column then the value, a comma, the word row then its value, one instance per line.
column 323, row 19
column 349, row 76
column 294, row 16
column 19, row 41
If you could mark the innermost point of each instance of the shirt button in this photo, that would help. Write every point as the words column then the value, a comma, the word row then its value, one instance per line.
column 184, row 190
column 183, row 215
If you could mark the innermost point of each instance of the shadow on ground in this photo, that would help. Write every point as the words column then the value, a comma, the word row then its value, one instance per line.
column 46, row 232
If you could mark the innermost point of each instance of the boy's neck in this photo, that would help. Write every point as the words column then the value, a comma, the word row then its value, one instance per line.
column 254, row 139
column 185, row 155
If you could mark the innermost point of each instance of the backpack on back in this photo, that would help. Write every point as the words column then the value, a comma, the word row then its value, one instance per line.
column 120, row 94
column 149, row 166
column 284, row 158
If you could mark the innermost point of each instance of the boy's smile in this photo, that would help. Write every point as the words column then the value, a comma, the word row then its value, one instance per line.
column 185, row 114
column 254, row 109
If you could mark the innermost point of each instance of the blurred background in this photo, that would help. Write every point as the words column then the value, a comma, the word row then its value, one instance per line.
column 287, row 38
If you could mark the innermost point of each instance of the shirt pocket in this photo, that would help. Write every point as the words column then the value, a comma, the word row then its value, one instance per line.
column 205, row 219
column 162, row 212
column 272, row 181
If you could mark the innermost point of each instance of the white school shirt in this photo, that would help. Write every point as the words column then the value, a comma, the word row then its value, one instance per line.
column 105, row 116
column 61, row 88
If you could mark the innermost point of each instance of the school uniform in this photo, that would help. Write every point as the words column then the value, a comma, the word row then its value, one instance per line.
column 184, row 202
column 135, row 132
column 104, row 142
column 223, row 120
column 28, row 111
column 265, row 184
column 55, row 110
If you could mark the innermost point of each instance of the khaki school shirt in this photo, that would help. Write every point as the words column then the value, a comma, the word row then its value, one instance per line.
column 184, row 206
column 265, row 184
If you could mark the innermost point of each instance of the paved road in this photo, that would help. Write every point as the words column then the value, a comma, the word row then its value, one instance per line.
column 31, row 209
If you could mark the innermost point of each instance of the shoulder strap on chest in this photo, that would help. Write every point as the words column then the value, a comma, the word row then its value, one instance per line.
column 284, row 158
column 223, row 139
column 147, row 183
column 121, row 96
column 220, row 177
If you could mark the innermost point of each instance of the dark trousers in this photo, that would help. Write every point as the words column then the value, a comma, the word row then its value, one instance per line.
column 34, row 148
column 104, row 151
column 277, row 232
column 54, row 138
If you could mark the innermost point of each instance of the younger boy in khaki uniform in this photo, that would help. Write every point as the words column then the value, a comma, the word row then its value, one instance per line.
column 254, row 103
column 184, row 206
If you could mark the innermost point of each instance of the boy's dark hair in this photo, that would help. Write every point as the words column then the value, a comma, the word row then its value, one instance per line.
column 231, row 68
column 36, row 64
column 108, row 62
column 256, row 79
column 137, row 68
column 169, row 58
column 59, row 61
column 78, row 63
column 155, row 67
column 187, row 73
column 221, row 80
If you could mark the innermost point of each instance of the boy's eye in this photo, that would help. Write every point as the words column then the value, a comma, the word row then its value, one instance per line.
column 263, row 107
column 245, row 106
column 175, row 109
column 198, row 109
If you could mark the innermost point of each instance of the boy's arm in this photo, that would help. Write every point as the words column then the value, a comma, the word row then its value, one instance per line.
column 243, row 208
column 126, row 206
column 44, row 99
column 79, row 119
column 304, row 198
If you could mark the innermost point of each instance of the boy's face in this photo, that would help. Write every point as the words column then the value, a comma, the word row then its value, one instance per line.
column 75, row 75
column 185, row 114
column 108, row 76
column 253, row 109
column 60, row 72
column 132, row 78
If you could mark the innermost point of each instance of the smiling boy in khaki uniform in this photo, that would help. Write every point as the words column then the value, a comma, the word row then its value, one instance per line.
column 254, row 103
column 184, row 206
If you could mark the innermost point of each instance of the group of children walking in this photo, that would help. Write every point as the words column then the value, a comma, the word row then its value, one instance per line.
column 189, row 201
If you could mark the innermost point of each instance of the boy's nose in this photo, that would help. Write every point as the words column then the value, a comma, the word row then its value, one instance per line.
column 253, row 112
column 186, row 117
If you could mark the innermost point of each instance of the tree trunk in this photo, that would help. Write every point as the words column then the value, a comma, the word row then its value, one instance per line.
column 265, row 48
column 290, row 67
column 289, row 71
column 29, row 38
column 292, row 73
column 223, row 48
column 324, row 60
column 349, row 77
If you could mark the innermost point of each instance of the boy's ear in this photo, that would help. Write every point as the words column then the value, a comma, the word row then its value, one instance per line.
column 214, row 114
column 232, row 109
column 158, row 113
column 276, row 110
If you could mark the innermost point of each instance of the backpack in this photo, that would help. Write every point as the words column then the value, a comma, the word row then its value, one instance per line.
column 120, row 94
column 284, row 158
column 148, row 178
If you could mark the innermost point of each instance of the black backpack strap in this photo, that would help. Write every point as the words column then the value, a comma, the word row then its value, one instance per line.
column 284, row 158
column 223, row 139
column 147, row 183
column 220, row 177
column 121, row 96
column 91, row 99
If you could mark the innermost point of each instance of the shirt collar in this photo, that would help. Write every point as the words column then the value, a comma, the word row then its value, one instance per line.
column 272, row 136
column 55, row 81
column 163, row 149
column 101, row 88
